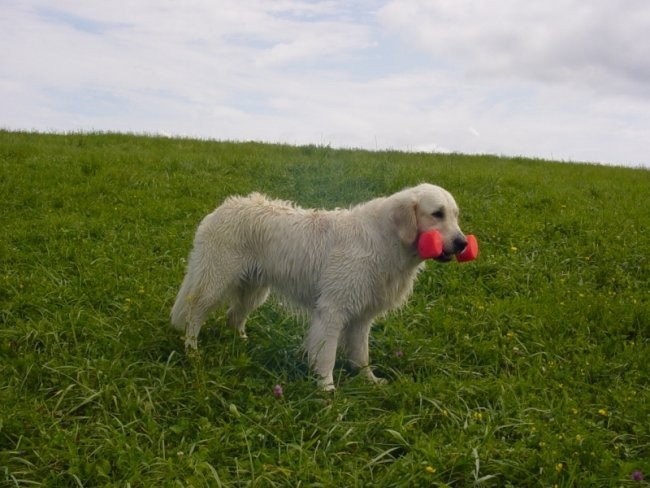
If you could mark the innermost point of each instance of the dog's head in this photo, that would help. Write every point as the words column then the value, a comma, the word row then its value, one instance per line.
column 428, row 207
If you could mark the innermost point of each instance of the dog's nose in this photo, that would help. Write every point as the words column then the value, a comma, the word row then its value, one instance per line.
column 460, row 243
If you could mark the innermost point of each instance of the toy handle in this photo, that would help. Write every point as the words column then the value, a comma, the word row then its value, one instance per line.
column 430, row 245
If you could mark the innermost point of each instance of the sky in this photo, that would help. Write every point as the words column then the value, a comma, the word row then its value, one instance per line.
column 566, row 80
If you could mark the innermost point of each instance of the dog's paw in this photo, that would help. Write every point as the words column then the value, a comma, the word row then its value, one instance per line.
column 191, row 343
column 326, row 384
column 372, row 378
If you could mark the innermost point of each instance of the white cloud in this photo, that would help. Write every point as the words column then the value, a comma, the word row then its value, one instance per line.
column 603, row 45
column 316, row 43
column 468, row 76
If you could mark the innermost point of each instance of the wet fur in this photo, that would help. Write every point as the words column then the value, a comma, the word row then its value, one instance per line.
column 343, row 267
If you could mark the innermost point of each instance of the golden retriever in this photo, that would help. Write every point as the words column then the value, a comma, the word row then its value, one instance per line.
column 343, row 267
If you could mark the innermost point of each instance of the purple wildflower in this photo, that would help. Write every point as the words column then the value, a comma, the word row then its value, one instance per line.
column 638, row 476
column 399, row 353
column 277, row 391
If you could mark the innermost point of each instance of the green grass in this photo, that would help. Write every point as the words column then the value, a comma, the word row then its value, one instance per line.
column 527, row 367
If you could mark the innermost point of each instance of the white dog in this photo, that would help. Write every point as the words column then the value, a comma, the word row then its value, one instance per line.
column 344, row 267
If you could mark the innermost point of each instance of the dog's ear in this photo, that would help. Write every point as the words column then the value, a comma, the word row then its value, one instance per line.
column 405, row 219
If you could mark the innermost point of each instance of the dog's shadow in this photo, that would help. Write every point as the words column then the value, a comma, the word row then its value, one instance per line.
column 273, row 350
column 273, row 347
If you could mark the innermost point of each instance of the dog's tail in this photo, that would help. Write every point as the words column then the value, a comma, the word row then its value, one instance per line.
column 181, row 310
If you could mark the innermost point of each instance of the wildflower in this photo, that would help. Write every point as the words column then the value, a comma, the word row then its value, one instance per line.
column 277, row 391
column 602, row 412
column 430, row 469
column 559, row 467
column 638, row 476
column 513, row 249
column 399, row 353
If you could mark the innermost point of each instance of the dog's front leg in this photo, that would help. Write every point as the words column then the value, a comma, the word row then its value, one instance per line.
column 356, row 344
column 321, row 343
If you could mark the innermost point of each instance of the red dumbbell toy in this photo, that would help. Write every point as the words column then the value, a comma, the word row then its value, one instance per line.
column 470, row 252
column 430, row 245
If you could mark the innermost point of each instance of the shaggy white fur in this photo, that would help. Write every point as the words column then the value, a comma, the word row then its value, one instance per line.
column 344, row 267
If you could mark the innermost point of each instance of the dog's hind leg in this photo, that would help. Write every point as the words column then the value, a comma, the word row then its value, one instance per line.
column 321, row 344
column 205, row 286
column 246, row 299
column 199, row 311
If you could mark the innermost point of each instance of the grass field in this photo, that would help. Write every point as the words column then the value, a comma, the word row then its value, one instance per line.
column 527, row 367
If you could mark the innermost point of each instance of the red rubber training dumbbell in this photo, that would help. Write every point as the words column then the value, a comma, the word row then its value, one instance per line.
column 430, row 245
column 470, row 252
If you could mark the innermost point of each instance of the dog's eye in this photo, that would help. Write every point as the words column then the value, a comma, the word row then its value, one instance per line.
column 439, row 214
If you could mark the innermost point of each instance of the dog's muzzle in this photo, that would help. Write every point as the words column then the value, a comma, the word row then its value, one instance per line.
column 458, row 245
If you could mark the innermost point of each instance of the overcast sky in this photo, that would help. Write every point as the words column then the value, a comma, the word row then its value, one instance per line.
column 557, row 79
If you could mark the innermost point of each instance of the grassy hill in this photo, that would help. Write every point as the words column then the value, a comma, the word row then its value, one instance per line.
column 527, row 367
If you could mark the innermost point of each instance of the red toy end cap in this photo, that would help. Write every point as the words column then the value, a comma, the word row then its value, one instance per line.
column 430, row 244
column 471, row 250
